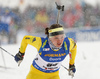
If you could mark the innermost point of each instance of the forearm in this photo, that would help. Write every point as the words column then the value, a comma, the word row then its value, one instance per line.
column 73, row 55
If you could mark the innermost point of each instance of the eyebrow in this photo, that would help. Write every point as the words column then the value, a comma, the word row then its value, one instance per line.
column 59, row 37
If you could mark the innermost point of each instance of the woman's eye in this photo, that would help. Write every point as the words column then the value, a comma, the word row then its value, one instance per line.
column 62, row 37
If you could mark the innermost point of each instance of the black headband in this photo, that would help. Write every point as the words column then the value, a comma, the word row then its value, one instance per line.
column 56, row 33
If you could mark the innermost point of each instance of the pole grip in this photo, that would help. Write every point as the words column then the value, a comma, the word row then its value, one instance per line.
column 59, row 8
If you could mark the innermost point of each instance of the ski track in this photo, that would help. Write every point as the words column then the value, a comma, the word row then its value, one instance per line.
column 87, row 62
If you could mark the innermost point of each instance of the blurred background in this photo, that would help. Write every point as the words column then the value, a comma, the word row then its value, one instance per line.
column 80, row 18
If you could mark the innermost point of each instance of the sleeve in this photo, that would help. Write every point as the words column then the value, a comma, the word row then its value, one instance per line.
column 73, row 51
column 32, row 40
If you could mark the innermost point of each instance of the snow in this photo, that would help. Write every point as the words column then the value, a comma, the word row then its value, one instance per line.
column 16, row 3
column 87, row 62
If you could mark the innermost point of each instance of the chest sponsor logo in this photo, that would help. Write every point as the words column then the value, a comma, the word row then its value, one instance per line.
column 55, row 55
column 54, row 59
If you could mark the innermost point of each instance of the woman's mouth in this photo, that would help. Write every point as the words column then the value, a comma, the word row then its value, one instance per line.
column 58, row 44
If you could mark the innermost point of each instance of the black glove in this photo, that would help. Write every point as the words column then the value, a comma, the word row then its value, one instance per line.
column 72, row 70
column 19, row 57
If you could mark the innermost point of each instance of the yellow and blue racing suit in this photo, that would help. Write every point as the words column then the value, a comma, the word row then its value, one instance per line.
column 47, row 62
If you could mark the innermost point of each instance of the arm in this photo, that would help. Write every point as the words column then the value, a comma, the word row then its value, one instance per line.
column 73, row 50
column 32, row 40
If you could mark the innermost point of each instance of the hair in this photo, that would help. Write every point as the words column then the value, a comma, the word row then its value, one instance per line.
column 53, row 26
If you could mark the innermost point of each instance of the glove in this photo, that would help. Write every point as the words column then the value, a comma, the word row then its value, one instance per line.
column 72, row 70
column 19, row 57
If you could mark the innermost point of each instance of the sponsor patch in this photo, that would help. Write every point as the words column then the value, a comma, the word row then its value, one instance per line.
column 46, row 49
column 34, row 39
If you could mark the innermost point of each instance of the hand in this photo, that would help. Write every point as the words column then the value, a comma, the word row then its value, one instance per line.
column 72, row 70
column 19, row 57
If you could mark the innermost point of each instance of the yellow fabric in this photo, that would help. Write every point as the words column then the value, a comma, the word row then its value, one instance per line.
column 73, row 55
column 56, row 29
column 36, row 74
column 73, row 50
column 37, row 42
column 32, row 40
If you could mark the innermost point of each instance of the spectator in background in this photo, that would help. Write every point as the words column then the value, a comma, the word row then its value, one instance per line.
column 8, row 27
column 5, row 21
column 29, row 26
column 73, row 15
column 42, row 18
column 69, row 18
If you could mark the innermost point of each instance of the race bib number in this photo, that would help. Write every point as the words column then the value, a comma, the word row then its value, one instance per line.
column 47, row 65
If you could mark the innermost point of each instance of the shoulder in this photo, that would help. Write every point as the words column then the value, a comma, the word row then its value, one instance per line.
column 67, row 39
column 72, row 43
column 70, row 39
column 31, row 38
column 44, row 39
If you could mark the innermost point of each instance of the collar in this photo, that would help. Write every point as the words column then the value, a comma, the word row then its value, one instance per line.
column 52, row 46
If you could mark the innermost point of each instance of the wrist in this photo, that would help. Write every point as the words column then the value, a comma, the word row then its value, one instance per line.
column 71, row 66
column 20, row 55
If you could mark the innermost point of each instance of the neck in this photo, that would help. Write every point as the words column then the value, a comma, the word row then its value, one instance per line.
column 52, row 45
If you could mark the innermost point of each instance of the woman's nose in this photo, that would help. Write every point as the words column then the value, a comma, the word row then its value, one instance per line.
column 59, row 40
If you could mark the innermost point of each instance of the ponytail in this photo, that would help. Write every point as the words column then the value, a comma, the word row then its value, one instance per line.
column 46, row 31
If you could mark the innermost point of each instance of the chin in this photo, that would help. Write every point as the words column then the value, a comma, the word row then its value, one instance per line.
column 58, row 46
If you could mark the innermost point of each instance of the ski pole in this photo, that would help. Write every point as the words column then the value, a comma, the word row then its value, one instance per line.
column 7, row 52
column 65, row 67
column 59, row 8
column 68, row 70
column 11, row 55
column 3, row 56
column 3, row 59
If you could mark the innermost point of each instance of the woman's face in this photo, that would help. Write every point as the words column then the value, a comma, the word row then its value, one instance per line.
column 57, row 40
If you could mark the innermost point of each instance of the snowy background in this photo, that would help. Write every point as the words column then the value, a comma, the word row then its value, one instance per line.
column 85, row 30
column 87, row 62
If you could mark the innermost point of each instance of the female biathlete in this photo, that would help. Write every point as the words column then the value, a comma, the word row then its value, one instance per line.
column 52, row 50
